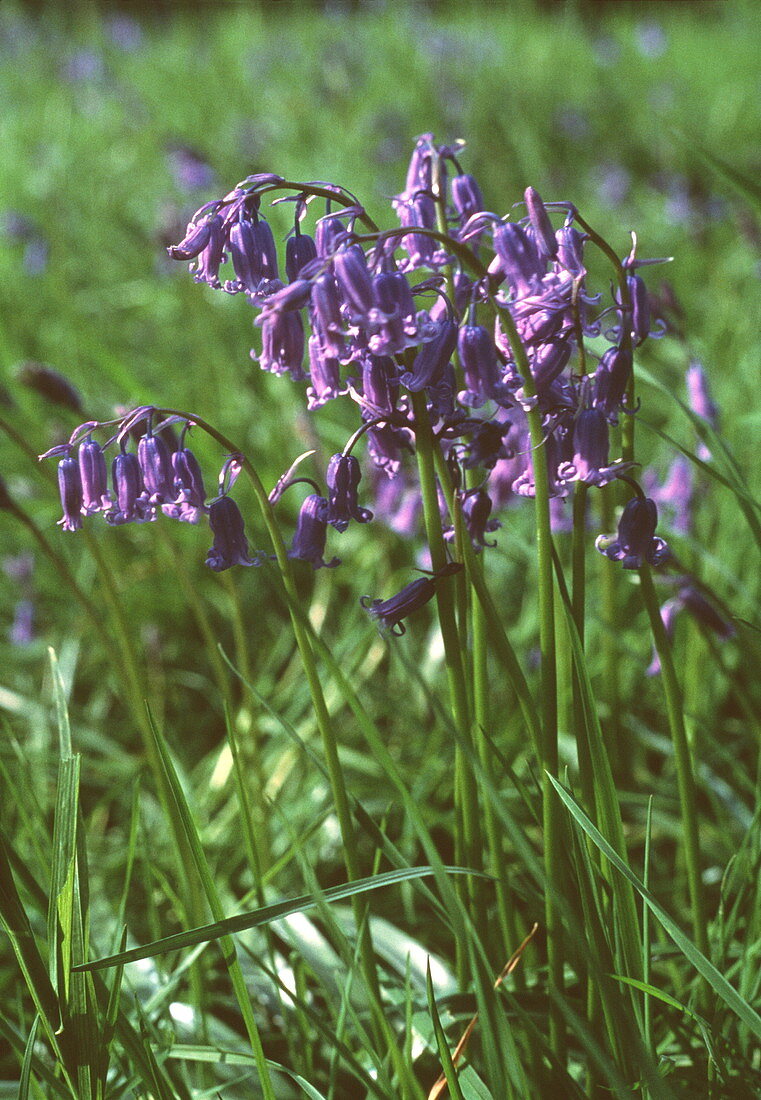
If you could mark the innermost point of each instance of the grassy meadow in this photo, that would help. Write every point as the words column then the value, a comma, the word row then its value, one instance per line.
column 181, row 747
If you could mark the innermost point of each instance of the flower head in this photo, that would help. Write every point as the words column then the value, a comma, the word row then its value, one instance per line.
column 311, row 533
column 188, row 504
column 637, row 542
column 389, row 613
column 343, row 477
column 132, row 502
column 230, row 545
column 94, row 475
column 70, row 488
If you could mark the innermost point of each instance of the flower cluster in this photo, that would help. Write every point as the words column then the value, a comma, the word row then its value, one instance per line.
column 435, row 307
column 160, row 475
column 456, row 321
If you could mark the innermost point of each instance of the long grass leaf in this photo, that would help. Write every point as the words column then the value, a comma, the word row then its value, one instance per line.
column 445, row 1054
column 704, row 966
column 258, row 917
column 26, row 1065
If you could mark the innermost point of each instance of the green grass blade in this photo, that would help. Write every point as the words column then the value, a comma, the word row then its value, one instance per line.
column 258, row 917
column 445, row 1055
column 40, row 1066
column 26, row 1065
column 704, row 966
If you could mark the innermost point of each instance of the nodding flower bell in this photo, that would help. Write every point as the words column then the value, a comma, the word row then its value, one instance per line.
column 131, row 498
column 208, row 259
column 156, row 465
column 354, row 280
column 230, row 545
column 299, row 251
column 478, row 357
column 611, row 380
column 311, row 532
column 195, row 240
column 389, row 613
column 518, row 256
column 92, row 469
column 324, row 375
column 467, row 198
column 429, row 363
column 476, row 513
column 343, row 477
column 70, row 487
column 282, row 345
column 188, row 504
column 636, row 542
column 590, row 451
column 540, row 224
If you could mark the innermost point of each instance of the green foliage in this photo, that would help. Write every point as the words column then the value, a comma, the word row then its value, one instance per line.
column 167, row 774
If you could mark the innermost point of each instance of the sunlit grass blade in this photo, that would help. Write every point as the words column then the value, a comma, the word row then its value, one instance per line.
column 745, row 1013
column 189, row 1052
column 445, row 1055
column 26, row 1065
column 666, row 998
column 258, row 917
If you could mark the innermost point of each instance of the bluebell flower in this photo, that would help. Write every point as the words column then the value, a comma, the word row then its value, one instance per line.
column 196, row 238
column 311, row 532
column 698, row 394
column 392, row 322
column 94, row 475
column 430, row 361
column 476, row 513
column 636, row 542
column 156, row 466
column 300, row 249
column 327, row 319
column 478, row 358
column 70, row 488
column 190, row 493
column 208, row 260
column 518, row 258
column 132, row 503
column 540, row 225
column 590, row 451
column 699, row 400
column 244, row 257
column 354, row 281
column 389, row 613
column 611, row 380
column 640, row 300
column 282, row 344
column 380, row 383
column 342, row 478
column 324, row 375
column 467, row 198
column 570, row 253
column 230, row 545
